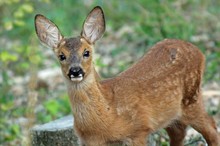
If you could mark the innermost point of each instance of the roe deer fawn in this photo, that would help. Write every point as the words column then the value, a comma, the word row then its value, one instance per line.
column 162, row 90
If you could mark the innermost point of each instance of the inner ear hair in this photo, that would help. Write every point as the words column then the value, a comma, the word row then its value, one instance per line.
column 94, row 25
column 47, row 31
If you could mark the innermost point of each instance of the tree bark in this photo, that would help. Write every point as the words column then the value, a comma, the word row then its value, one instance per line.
column 56, row 133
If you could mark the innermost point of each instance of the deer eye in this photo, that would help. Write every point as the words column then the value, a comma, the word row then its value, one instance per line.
column 86, row 54
column 62, row 57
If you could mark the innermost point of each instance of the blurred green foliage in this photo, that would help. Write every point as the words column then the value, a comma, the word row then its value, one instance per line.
column 150, row 21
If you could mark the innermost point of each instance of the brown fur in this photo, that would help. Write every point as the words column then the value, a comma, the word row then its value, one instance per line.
column 156, row 92
column 162, row 90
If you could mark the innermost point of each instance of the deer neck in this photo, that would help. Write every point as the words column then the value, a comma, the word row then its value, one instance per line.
column 86, row 90
column 87, row 99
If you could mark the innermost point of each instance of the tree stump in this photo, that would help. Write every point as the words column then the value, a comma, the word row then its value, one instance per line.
column 56, row 133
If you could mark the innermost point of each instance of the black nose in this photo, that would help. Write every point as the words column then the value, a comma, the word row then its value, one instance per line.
column 75, row 72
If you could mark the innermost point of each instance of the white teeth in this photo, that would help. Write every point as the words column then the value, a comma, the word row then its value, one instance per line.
column 77, row 79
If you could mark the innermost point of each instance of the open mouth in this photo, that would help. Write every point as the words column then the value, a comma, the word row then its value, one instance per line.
column 76, row 74
column 76, row 78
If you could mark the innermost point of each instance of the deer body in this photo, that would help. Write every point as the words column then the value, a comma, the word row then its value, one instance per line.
column 162, row 90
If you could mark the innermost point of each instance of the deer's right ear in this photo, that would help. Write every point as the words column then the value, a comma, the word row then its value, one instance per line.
column 47, row 31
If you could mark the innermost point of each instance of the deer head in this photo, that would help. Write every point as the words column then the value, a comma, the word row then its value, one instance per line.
column 74, row 54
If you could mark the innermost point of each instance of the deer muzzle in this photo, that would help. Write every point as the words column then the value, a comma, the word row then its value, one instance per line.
column 76, row 74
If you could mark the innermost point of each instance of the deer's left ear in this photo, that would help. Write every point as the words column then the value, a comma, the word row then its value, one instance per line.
column 94, row 25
